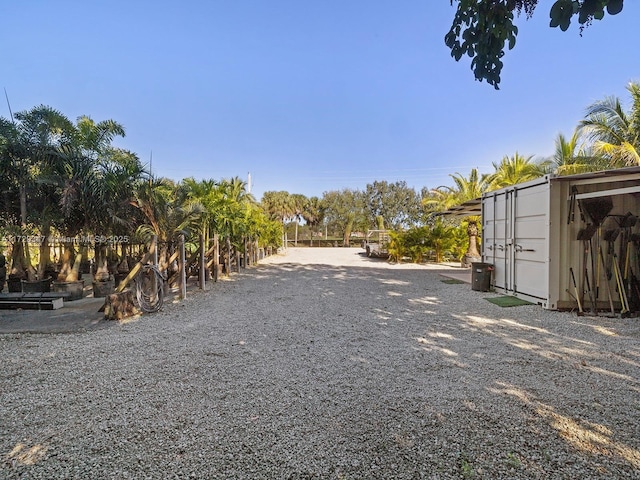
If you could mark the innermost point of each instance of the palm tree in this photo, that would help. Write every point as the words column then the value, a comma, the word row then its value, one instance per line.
column 441, row 238
column 113, row 176
column 615, row 133
column 236, row 189
column 298, row 201
column 278, row 206
column 571, row 157
column 233, row 210
column 516, row 169
column 165, row 212
column 95, row 138
column 29, row 152
column 207, row 194
column 227, row 208
column 97, row 187
column 78, row 202
column 118, row 177
column 465, row 189
column 313, row 214
column 468, row 188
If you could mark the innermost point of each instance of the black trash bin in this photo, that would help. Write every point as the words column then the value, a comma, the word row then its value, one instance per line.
column 481, row 276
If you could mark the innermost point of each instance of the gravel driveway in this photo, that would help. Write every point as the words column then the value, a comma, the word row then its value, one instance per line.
column 326, row 364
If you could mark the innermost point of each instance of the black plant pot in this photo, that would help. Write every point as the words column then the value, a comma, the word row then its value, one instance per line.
column 14, row 285
column 37, row 286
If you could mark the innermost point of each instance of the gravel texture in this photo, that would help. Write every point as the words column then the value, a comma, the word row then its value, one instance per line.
column 326, row 364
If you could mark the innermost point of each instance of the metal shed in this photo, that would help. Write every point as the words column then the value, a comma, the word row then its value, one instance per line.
column 543, row 234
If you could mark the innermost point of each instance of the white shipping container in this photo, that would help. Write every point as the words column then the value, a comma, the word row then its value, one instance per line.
column 530, row 234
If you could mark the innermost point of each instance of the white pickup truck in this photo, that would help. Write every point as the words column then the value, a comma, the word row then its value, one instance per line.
column 377, row 243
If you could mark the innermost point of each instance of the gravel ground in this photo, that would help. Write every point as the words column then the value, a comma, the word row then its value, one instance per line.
column 325, row 364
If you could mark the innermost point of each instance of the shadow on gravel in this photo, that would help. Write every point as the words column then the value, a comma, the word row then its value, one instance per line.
column 365, row 371
column 573, row 378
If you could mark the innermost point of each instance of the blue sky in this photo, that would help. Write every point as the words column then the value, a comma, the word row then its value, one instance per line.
column 308, row 96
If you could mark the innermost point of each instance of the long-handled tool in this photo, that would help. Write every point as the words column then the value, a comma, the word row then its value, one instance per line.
column 634, row 283
column 585, row 235
column 575, row 289
column 594, row 212
column 610, row 236
column 609, row 296
column 572, row 205
column 621, row 290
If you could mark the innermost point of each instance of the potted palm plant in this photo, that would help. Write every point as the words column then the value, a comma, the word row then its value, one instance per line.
column 68, row 280
column 103, row 282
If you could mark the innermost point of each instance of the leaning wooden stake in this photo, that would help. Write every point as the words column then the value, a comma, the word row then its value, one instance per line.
column 124, row 300
column 133, row 272
column 575, row 288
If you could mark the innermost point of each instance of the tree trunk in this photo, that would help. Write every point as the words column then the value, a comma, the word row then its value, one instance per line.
column 163, row 256
column 74, row 275
column 227, row 263
column 17, row 260
column 102, row 264
column 45, row 250
column 70, row 270
column 23, row 207
column 216, row 257
column 347, row 233
column 120, row 305
column 65, row 260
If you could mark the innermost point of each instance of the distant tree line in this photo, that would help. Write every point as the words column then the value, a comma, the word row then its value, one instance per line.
column 62, row 179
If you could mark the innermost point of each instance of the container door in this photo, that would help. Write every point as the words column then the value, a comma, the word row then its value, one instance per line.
column 529, row 245
column 496, row 235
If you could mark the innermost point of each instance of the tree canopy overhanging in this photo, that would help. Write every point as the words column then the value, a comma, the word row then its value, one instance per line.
column 483, row 29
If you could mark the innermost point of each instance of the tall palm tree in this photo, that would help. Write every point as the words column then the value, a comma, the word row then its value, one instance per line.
column 233, row 210
column 278, row 206
column 97, row 185
column 207, row 194
column 28, row 152
column 79, row 200
column 516, row 169
column 615, row 133
column 572, row 157
column 235, row 188
column 464, row 189
column 313, row 214
column 164, row 211
column 298, row 202
column 119, row 173
column 95, row 139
